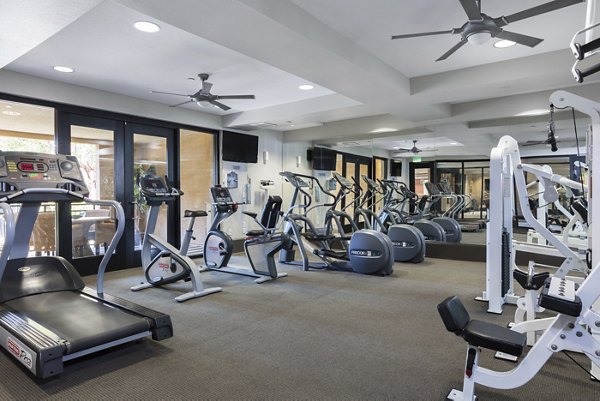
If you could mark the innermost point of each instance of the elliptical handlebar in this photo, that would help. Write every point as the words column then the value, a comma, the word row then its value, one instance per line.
column 292, row 178
column 372, row 185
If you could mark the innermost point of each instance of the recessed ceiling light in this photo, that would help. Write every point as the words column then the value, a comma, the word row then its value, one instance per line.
column 146, row 26
column 61, row 68
column 501, row 44
column 306, row 87
column 533, row 112
column 453, row 143
column 8, row 106
column 11, row 113
column 380, row 130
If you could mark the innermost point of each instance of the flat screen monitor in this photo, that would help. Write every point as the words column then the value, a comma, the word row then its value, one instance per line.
column 240, row 148
column 324, row 159
column 396, row 168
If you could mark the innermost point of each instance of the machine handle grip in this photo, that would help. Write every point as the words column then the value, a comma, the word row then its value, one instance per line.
column 586, row 48
column 581, row 74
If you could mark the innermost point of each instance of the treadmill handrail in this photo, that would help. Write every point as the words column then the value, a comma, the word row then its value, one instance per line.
column 9, row 236
column 119, row 215
column 25, row 191
column 120, row 218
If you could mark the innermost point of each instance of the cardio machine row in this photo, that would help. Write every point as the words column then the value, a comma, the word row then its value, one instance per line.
column 43, row 299
column 163, row 264
column 408, row 232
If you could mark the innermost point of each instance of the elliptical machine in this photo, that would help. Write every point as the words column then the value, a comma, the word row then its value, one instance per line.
column 260, row 245
column 408, row 241
column 394, row 212
column 369, row 251
column 162, row 262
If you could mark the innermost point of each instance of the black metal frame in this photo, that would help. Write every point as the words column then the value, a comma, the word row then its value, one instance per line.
column 123, row 125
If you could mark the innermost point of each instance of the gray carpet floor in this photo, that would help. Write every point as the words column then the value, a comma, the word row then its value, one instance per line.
column 316, row 335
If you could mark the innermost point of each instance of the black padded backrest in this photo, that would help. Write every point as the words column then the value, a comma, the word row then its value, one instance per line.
column 271, row 211
column 581, row 207
column 453, row 314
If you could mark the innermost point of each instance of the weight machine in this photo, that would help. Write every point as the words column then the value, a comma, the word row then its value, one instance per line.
column 506, row 168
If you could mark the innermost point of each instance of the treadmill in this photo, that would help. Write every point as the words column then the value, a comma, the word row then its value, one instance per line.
column 47, row 314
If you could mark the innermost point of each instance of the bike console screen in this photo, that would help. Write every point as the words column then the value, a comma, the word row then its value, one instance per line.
column 153, row 185
column 221, row 195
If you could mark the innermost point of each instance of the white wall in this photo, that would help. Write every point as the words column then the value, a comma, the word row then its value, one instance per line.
column 271, row 142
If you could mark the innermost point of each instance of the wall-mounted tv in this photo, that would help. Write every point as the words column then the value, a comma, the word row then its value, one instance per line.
column 240, row 148
column 324, row 159
column 396, row 168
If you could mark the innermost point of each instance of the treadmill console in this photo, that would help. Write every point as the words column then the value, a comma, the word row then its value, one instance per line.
column 221, row 195
column 23, row 170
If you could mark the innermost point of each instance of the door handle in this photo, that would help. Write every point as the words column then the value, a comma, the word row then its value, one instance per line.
column 133, row 211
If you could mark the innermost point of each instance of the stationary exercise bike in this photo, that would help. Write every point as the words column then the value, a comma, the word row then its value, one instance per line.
column 260, row 245
column 162, row 262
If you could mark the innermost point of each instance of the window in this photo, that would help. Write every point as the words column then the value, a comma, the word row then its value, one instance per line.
column 26, row 127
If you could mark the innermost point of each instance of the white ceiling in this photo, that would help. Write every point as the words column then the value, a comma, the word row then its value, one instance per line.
column 363, row 80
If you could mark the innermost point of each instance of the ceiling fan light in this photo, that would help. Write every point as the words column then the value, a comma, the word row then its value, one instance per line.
column 501, row 44
column 479, row 38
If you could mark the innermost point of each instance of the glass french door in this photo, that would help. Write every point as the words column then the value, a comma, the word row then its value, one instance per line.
column 86, row 230
column 112, row 155
column 151, row 150
column 420, row 173
column 353, row 167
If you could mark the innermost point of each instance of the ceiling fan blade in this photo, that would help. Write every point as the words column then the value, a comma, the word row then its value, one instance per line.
column 206, row 86
column 472, row 9
column 219, row 105
column 449, row 52
column 169, row 93
column 537, row 10
column 415, row 35
column 235, row 97
column 181, row 104
column 520, row 38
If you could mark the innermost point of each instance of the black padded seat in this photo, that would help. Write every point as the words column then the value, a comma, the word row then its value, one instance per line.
column 81, row 321
column 195, row 213
column 477, row 332
column 581, row 206
column 494, row 337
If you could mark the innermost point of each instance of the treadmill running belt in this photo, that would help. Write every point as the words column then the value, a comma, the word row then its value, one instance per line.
column 80, row 320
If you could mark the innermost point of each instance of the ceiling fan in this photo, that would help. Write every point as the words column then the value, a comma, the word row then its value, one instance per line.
column 414, row 149
column 204, row 95
column 480, row 27
column 546, row 142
